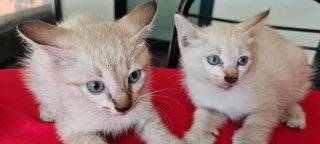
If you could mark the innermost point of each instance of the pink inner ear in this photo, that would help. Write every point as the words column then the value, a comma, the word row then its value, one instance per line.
column 140, row 17
column 186, row 31
column 43, row 34
column 253, row 22
column 248, row 38
column 184, row 41
column 250, row 41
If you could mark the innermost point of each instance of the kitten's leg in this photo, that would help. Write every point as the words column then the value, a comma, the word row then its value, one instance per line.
column 257, row 127
column 205, row 126
column 45, row 113
column 294, row 117
column 76, row 136
column 153, row 131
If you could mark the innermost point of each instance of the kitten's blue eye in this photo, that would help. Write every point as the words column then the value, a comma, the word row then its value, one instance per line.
column 243, row 60
column 213, row 60
column 134, row 76
column 95, row 86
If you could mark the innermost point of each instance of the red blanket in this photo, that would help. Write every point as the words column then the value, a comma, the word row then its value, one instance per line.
column 20, row 123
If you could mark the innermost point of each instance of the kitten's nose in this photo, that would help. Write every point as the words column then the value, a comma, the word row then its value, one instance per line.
column 230, row 79
column 122, row 103
column 123, row 108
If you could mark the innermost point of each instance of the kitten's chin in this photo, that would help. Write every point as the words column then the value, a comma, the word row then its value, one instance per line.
column 225, row 86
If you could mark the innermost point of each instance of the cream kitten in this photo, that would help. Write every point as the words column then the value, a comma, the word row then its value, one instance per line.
column 91, row 76
column 244, row 71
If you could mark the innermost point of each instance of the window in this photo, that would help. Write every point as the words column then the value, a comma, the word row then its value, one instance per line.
column 12, row 6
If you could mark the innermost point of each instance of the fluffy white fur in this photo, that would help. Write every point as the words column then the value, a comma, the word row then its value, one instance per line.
column 81, row 49
column 267, row 89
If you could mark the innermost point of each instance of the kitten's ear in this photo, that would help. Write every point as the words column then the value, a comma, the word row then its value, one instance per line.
column 140, row 20
column 254, row 22
column 186, row 31
column 46, row 36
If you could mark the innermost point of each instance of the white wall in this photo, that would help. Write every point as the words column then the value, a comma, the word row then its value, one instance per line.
column 164, row 21
column 292, row 13
column 101, row 8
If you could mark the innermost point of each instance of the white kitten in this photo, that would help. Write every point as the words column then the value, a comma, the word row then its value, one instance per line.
column 91, row 76
column 245, row 71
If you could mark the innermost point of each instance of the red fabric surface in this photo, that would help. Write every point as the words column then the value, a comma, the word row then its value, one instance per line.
column 20, row 123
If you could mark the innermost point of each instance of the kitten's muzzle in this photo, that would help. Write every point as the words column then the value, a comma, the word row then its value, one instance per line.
column 230, row 79
column 231, row 74
column 122, row 103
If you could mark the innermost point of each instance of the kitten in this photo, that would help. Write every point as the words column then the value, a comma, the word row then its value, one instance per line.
column 244, row 71
column 91, row 76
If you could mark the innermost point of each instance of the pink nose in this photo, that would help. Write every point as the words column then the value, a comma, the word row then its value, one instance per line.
column 123, row 108
column 230, row 79
column 122, row 102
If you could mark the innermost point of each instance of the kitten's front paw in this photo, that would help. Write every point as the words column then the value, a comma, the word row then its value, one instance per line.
column 245, row 137
column 297, row 121
column 45, row 114
column 201, row 137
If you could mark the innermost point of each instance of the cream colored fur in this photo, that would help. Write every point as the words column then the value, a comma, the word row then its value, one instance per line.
column 81, row 49
column 268, row 88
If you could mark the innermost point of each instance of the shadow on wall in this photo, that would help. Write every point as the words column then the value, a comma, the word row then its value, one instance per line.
column 11, row 47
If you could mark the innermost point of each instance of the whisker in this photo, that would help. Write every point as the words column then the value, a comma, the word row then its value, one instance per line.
column 157, row 58
column 161, row 90
column 165, row 117
column 174, row 100
column 154, row 42
column 164, row 96
column 163, row 101
column 139, row 99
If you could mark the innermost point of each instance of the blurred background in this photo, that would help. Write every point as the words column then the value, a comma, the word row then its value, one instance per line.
column 297, row 20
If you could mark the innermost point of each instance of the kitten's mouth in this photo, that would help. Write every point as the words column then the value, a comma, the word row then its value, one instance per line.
column 114, row 112
column 225, row 86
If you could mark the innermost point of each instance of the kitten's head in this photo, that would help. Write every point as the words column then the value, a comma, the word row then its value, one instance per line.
column 107, row 64
column 221, row 56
